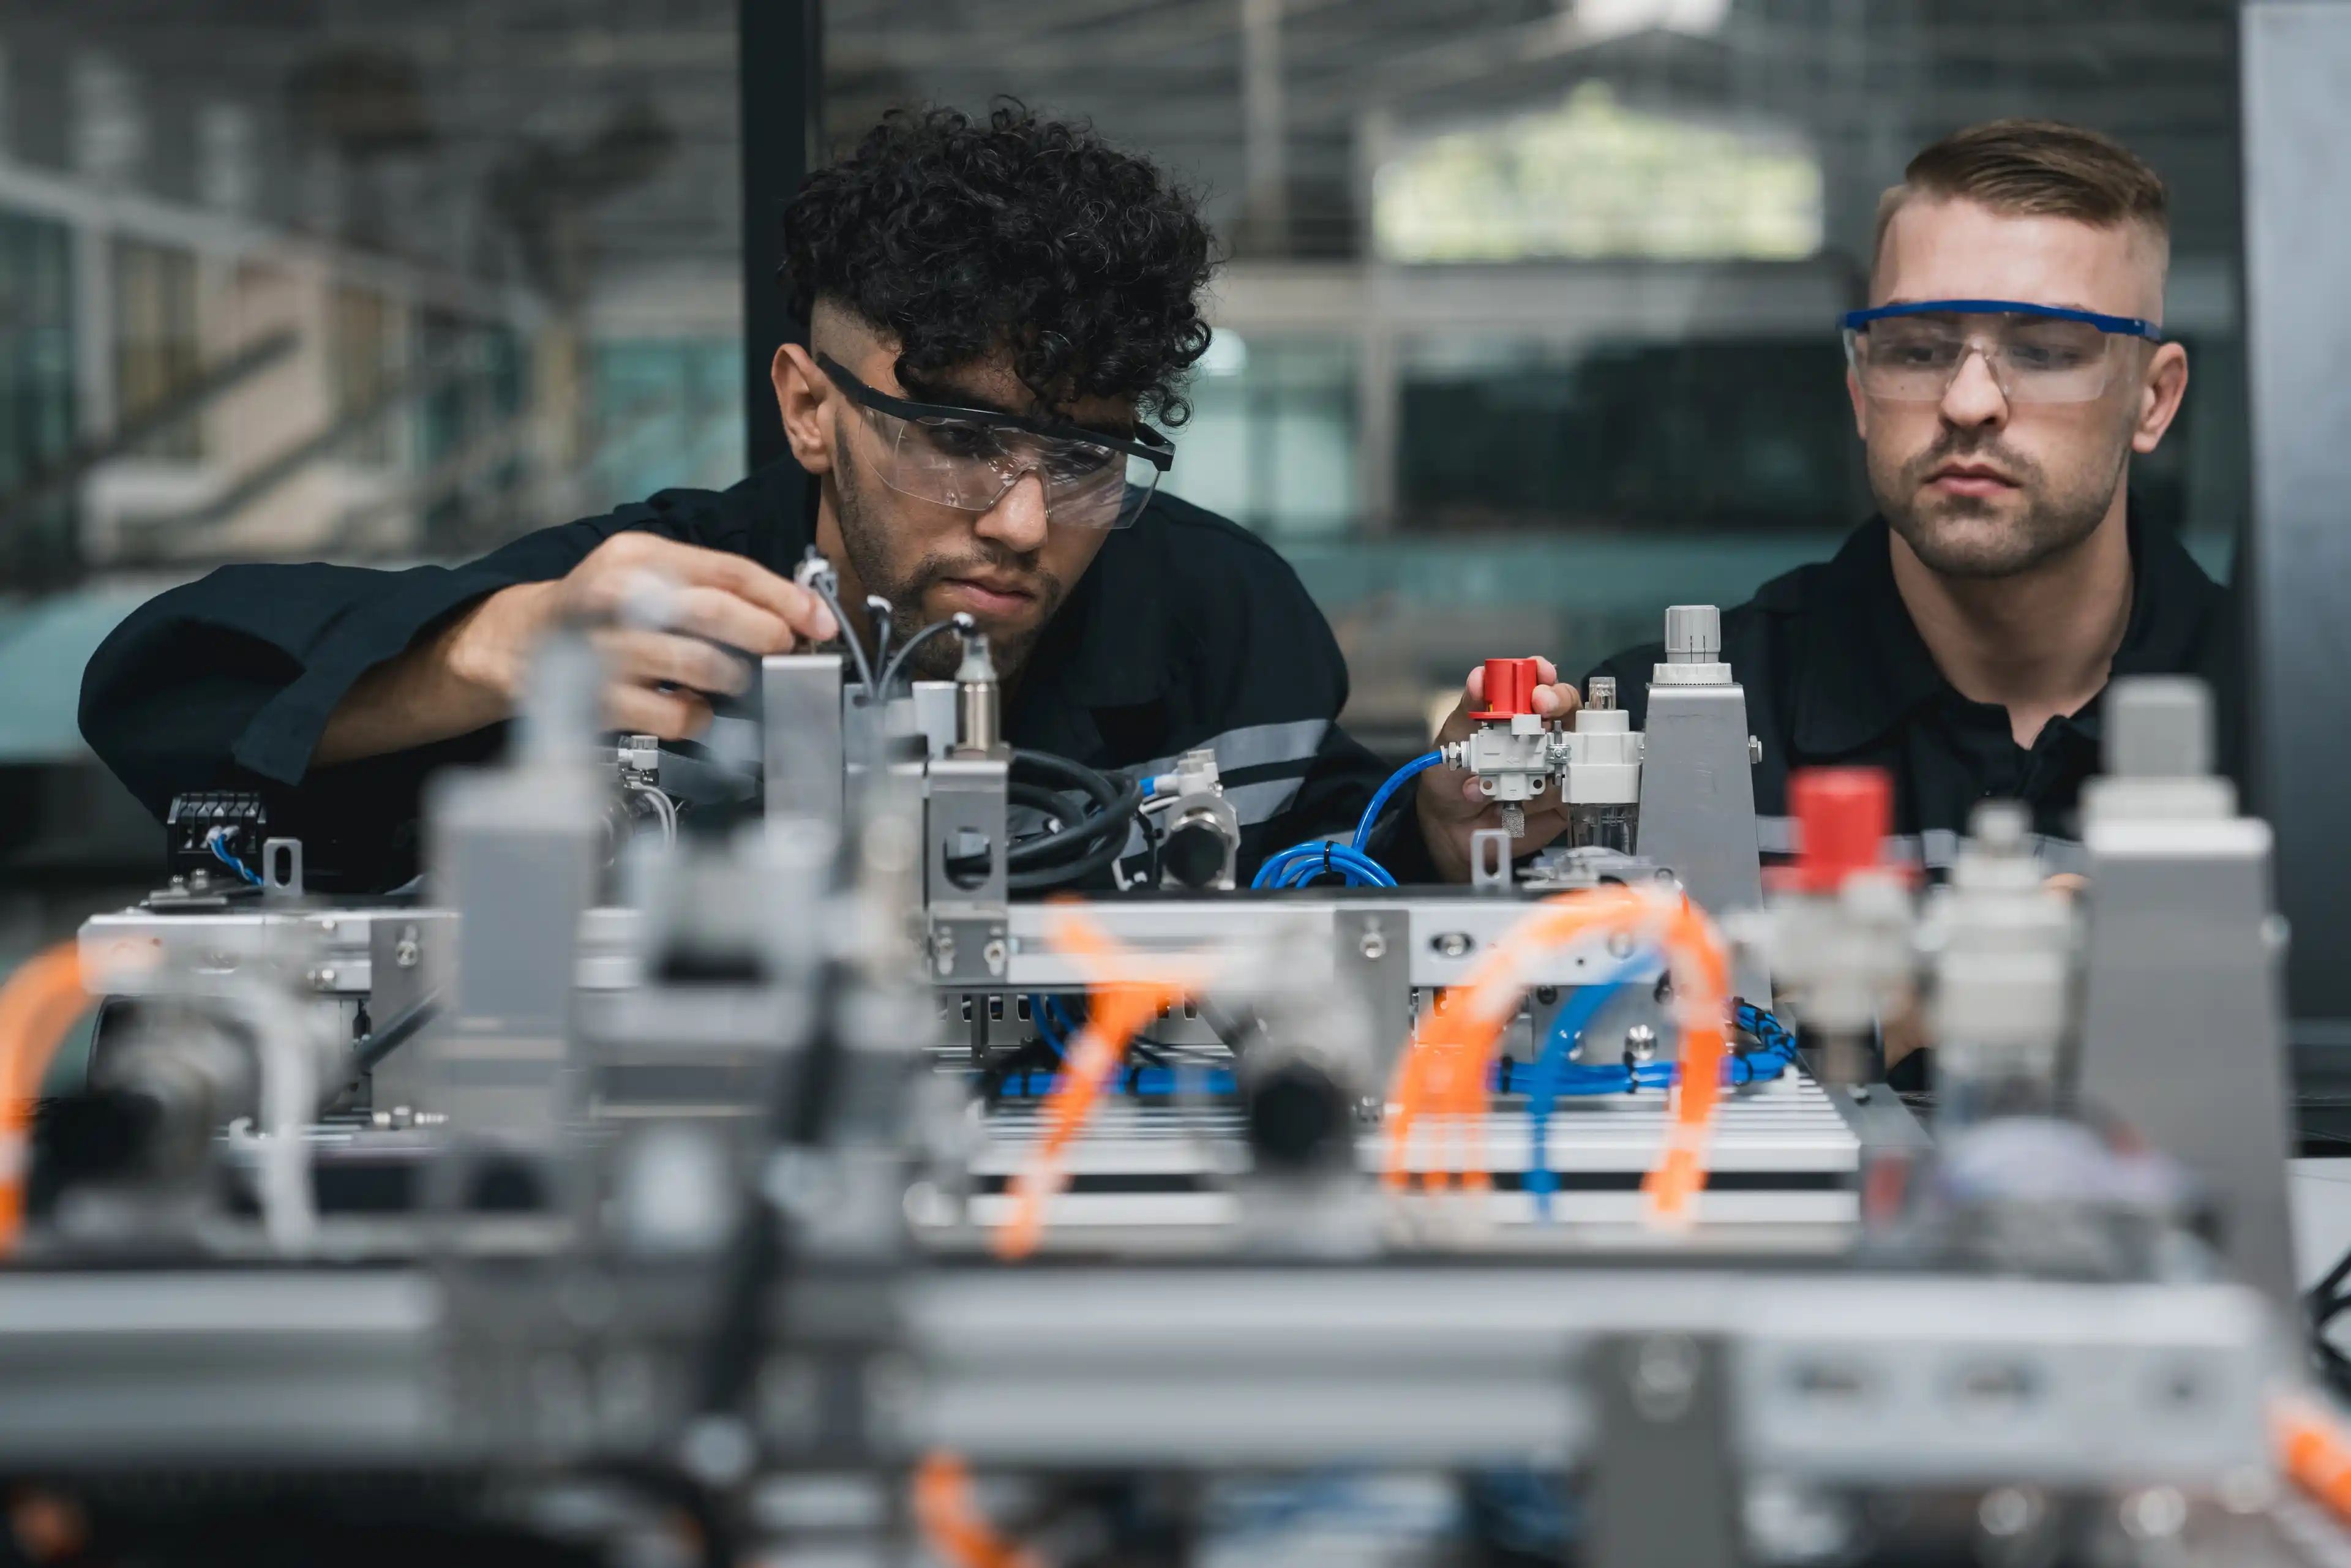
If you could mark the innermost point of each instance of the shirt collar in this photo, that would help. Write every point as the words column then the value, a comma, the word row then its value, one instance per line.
column 1865, row 667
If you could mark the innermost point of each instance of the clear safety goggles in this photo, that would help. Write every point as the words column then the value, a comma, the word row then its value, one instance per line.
column 970, row 458
column 2037, row 353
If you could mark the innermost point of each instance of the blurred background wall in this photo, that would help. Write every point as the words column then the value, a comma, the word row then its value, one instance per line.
column 1528, row 327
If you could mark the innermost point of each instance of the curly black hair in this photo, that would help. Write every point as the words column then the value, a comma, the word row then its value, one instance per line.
column 962, row 239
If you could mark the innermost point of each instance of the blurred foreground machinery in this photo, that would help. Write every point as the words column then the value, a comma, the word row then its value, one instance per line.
column 804, row 1182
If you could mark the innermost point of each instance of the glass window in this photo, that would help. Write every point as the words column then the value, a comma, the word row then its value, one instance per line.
column 1529, row 323
column 668, row 413
column 36, row 395
column 156, row 354
column 379, row 253
column 1689, row 434
column 368, row 342
column 1272, row 440
column 1594, row 178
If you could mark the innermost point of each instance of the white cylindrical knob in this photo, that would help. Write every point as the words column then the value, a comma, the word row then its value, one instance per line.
column 1693, row 633
column 2158, row 727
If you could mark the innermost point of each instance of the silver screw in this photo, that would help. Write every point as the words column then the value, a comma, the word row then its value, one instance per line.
column 994, row 954
column 2007, row 1512
column 1665, row 1378
column 323, row 977
column 719, row 1450
column 1451, row 943
column 1754, row 750
column 1374, row 946
column 1641, row 1042
column 2155, row 1514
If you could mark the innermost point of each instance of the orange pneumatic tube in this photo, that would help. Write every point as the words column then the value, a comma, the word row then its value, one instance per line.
column 37, row 1005
column 955, row 1530
column 1446, row 1071
column 1118, row 1011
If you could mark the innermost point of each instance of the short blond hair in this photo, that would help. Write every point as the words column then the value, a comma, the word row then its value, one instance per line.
column 2036, row 168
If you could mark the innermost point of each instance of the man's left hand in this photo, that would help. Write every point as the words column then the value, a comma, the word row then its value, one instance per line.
column 1452, row 807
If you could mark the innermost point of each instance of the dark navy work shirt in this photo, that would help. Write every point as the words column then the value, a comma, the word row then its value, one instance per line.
column 1186, row 631
column 1836, row 673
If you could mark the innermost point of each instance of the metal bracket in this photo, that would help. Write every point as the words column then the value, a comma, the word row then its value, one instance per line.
column 1665, row 1488
column 281, row 871
column 964, row 821
column 1489, row 860
column 804, row 752
column 1373, row 953
column 1698, row 804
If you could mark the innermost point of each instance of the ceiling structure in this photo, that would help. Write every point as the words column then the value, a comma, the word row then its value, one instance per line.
column 546, row 140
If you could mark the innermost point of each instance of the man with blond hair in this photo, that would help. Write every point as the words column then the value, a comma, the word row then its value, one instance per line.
column 2009, row 366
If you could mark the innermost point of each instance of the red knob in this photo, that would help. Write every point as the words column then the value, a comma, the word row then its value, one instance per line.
column 1842, row 816
column 1510, row 687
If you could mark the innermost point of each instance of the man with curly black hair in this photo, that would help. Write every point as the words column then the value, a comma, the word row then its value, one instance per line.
column 997, row 309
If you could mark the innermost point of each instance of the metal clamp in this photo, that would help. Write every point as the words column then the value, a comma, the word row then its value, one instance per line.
column 1489, row 859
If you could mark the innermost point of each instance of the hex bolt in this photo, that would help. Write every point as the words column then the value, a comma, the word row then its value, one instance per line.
column 1665, row 1378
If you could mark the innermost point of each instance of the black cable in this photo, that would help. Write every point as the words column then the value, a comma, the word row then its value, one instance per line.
column 818, row 586
column 879, row 616
column 898, row 660
column 1097, row 859
column 1102, row 788
column 1047, row 803
column 403, row 1026
column 1116, row 798
column 762, row 1254
column 1078, row 850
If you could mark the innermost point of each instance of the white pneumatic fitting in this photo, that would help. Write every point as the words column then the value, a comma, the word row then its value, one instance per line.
column 1693, row 648
column 1604, row 751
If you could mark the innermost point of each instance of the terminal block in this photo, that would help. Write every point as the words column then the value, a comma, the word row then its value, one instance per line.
column 216, row 851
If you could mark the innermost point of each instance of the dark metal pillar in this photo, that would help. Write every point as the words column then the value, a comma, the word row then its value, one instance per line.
column 782, row 95
column 2295, row 60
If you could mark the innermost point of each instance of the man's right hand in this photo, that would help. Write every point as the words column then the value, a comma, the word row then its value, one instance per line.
column 657, row 682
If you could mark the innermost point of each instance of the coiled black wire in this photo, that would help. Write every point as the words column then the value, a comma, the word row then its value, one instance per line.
column 1076, row 850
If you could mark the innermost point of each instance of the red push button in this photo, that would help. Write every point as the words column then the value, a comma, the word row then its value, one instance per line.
column 1842, row 815
column 1510, row 687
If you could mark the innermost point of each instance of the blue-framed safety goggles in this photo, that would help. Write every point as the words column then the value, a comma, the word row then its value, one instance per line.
column 2037, row 353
